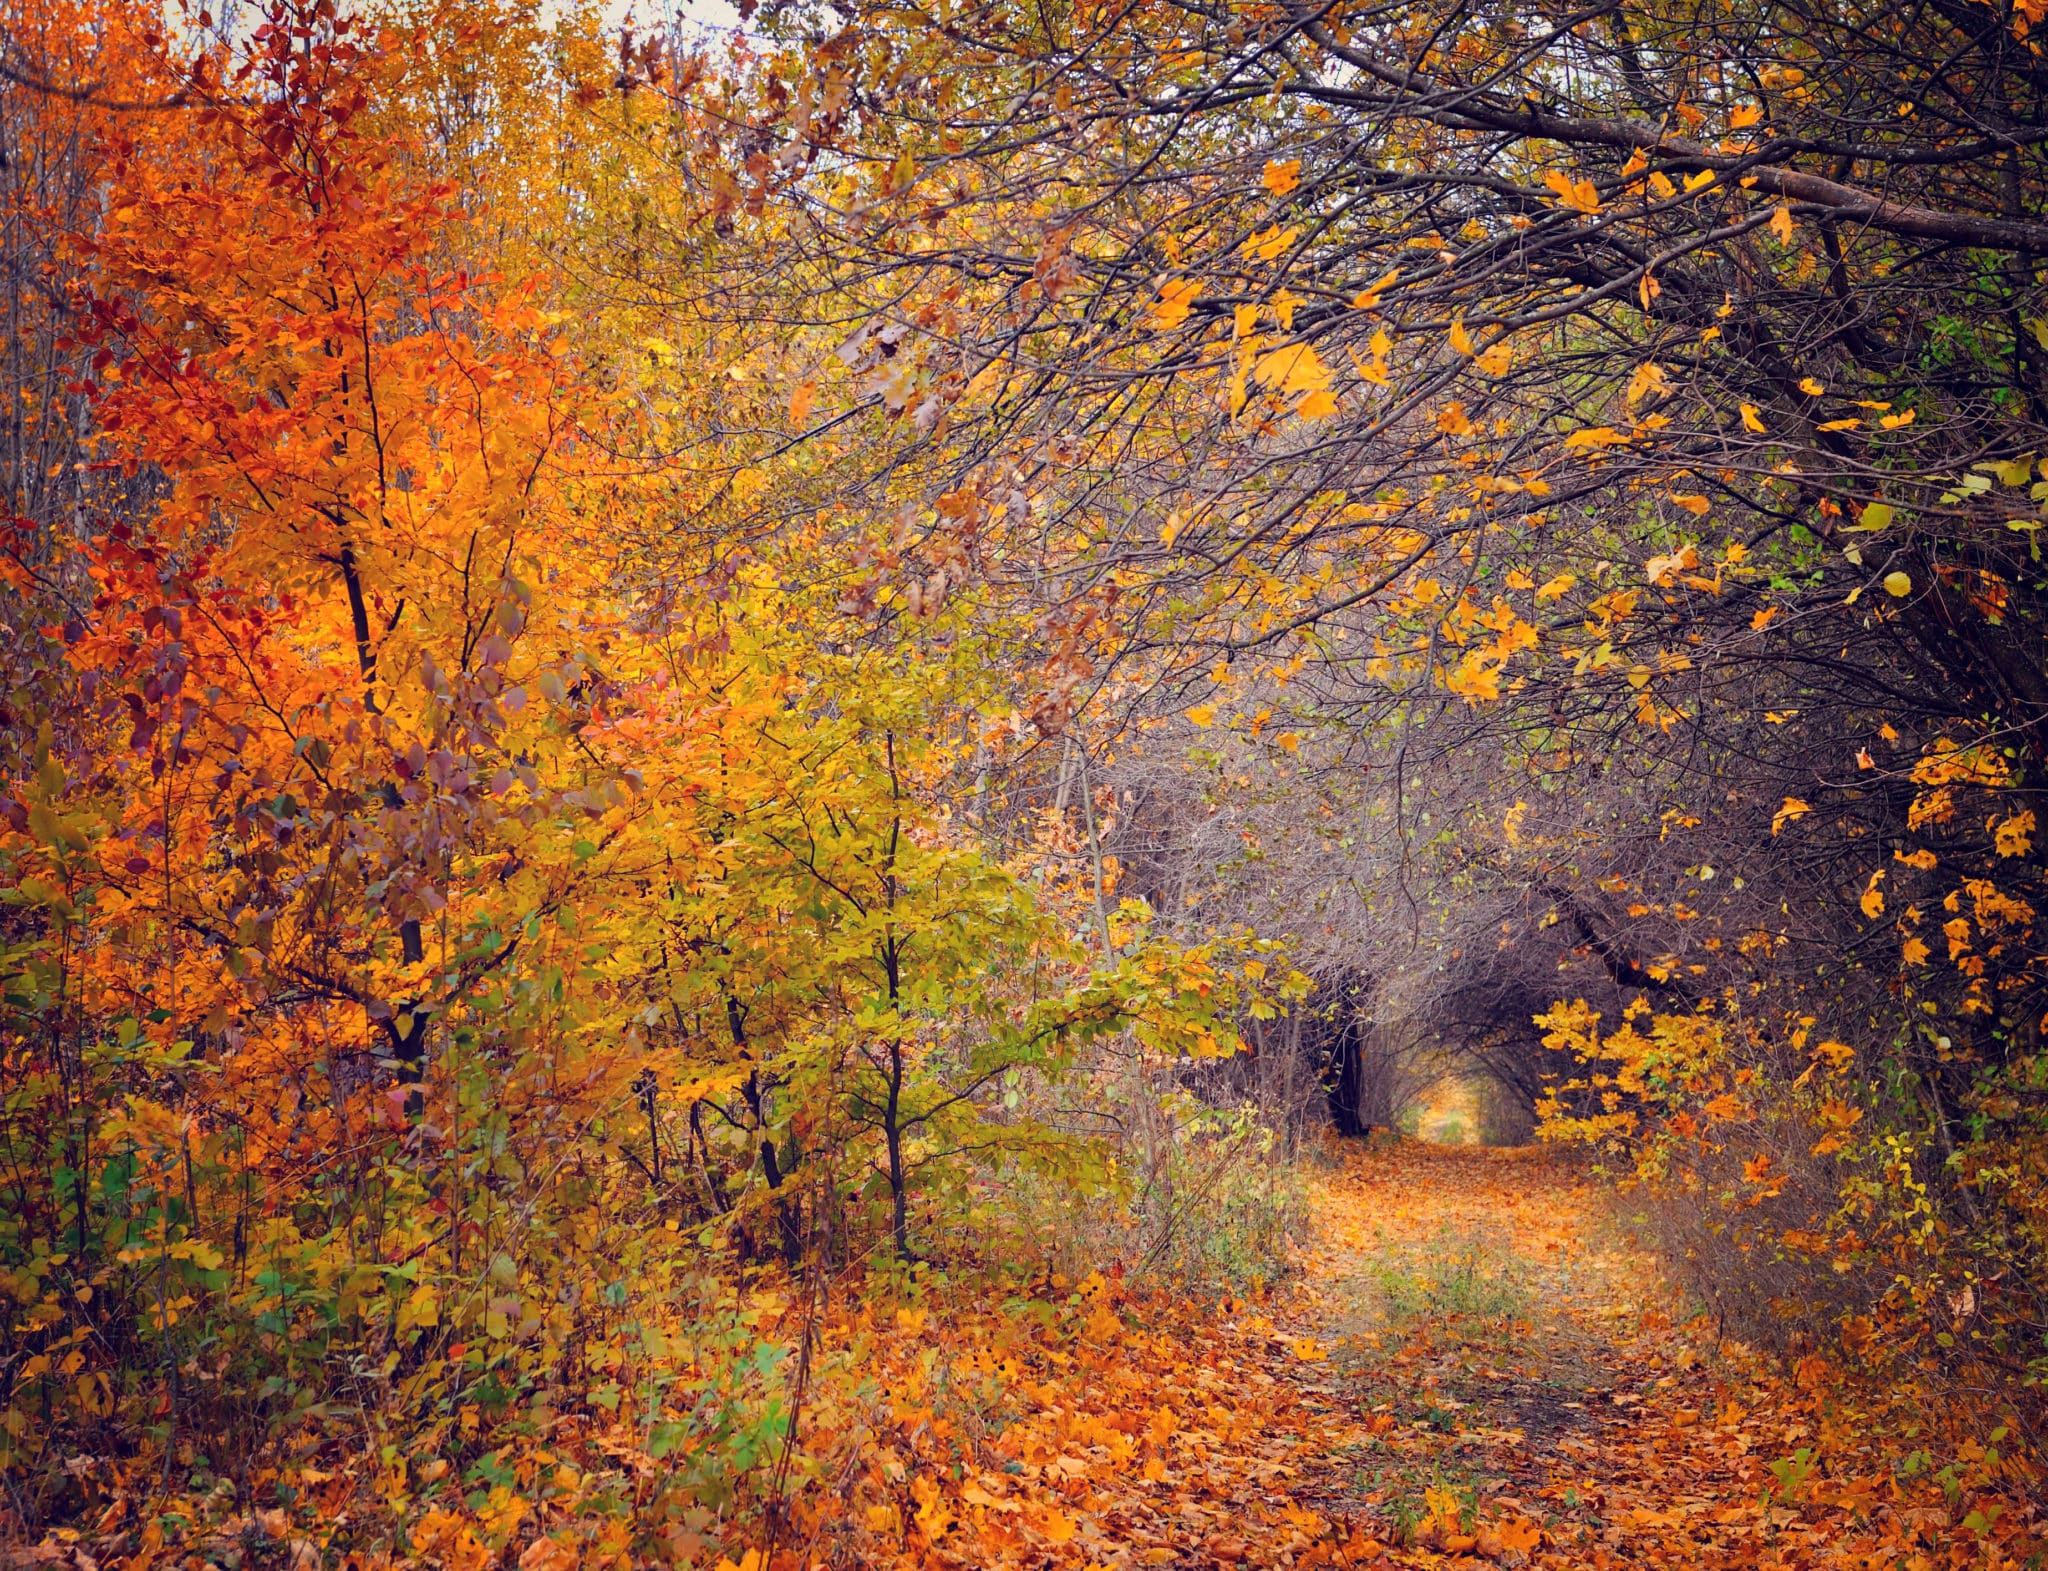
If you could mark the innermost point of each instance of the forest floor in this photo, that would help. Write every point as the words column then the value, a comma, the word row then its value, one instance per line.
column 1476, row 1367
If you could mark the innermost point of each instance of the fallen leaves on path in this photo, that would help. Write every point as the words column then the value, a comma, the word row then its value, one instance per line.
column 1471, row 1367
column 1475, row 1368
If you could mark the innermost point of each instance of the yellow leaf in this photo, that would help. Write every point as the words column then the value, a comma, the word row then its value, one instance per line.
column 1294, row 369
column 800, row 400
column 1280, row 178
column 1839, row 1055
column 1648, row 379
column 1913, row 952
column 983, row 380
column 1369, row 297
column 1662, row 569
column 1745, row 116
column 421, row 1308
column 1781, row 224
column 1203, row 714
column 1751, row 421
column 1558, row 587
column 1595, row 436
column 1495, row 361
column 1474, row 678
column 1521, row 1534
column 1460, row 339
column 1699, row 182
column 1176, row 299
column 1518, row 578
column 933, row 1518
column 1897, row 585
column 2015, row 835
column 1269, row 243
column 1793, row 808
column 1873, row 897
column 1055, row 1525
column 1893, row 422
column 1813, row 387
column 1849, row 424
column 1579, row 195
column 1319, row 405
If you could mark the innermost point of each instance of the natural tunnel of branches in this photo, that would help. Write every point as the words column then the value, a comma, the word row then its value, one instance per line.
column 1023, row 785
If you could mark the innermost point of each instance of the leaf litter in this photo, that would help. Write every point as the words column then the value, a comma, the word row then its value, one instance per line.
column 1472, row 1366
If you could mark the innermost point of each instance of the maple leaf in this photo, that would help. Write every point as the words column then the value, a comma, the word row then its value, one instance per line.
column 1296, row 368
column 1792, row 808
column 1270, row 242
column 1176, row 300
column 1369, row 297
column 1519, row 1535
column 1648, row 379
column 1579, row 195
column 1593, row 437
column 1281, row 177
column 2015, row 835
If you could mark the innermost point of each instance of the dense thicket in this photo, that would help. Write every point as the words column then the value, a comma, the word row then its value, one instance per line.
column 464, row 925
column 1589, row 459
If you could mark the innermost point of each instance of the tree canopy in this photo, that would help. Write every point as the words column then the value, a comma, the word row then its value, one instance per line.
column 653, row 671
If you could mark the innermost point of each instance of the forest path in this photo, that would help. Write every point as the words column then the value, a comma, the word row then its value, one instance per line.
column 1474, row 1367
column 1524, row 1390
